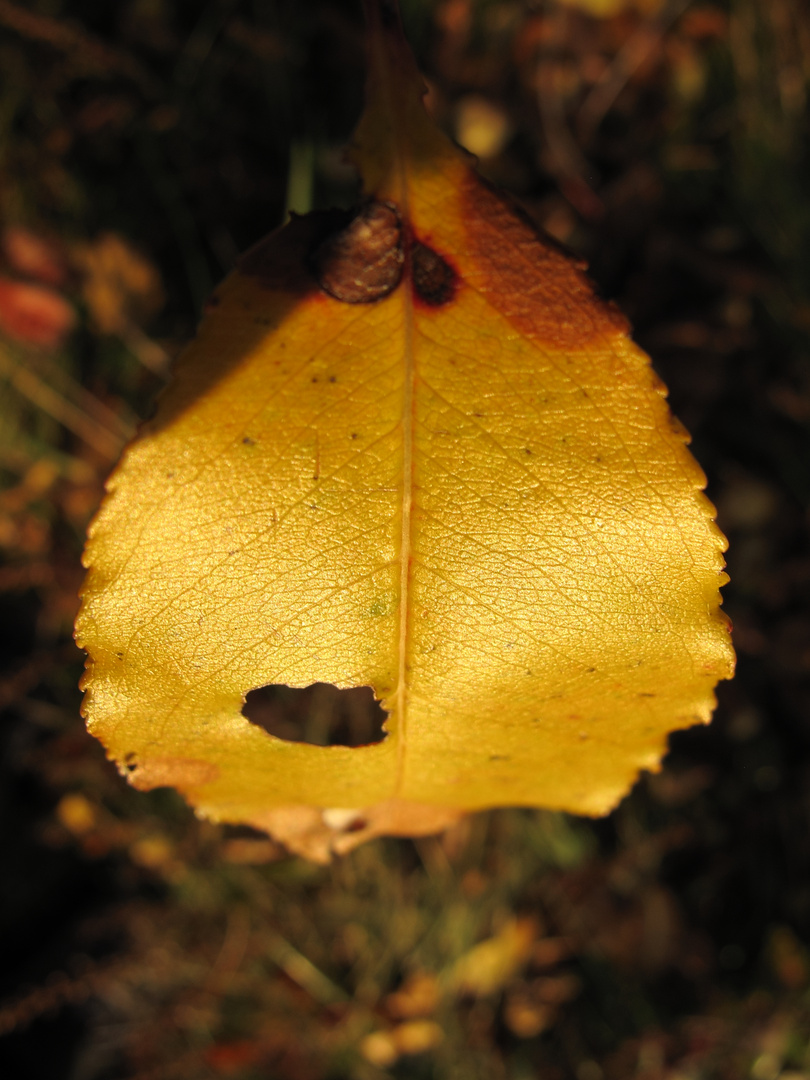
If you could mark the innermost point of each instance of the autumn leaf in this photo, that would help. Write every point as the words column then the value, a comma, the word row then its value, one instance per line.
column 33, row 256
column 492, row 964
column 34, row 314
column 411, row 450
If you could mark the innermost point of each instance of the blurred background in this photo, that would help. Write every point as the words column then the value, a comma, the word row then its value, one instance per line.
column 143, row 144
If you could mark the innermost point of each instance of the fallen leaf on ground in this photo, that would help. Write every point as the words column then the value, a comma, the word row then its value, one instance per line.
column 490, row 965
column 418, row 996
column 34, row 314
column 411, row 450
column 119, row 285
column 33, row 256
column 384, row 1048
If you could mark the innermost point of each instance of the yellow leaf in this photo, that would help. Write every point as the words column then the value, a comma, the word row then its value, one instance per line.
column 384, row 1048
column 76, row 813
column 410, row 451
column 608, row 9
column 489, row 966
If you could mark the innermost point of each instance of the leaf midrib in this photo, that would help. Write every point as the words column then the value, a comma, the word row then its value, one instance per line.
column 408, row 463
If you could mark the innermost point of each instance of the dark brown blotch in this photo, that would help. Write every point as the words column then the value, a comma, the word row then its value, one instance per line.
column 362, row 262
column 434, row 279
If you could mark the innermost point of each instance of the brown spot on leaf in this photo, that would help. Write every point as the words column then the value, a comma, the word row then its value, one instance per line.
column 362, row 262
column 180, row 772
column 541, row 291
column 434, row 279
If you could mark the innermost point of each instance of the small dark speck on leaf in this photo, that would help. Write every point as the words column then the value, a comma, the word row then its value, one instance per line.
column 499, row 757
column 247, row 441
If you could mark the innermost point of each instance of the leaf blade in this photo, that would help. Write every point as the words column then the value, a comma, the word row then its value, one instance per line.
column 466, row 492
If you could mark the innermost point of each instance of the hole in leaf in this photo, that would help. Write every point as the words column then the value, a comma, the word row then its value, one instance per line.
column 321, row 714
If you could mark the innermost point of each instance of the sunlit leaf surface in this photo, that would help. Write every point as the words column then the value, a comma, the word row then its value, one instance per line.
column 408, row 450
